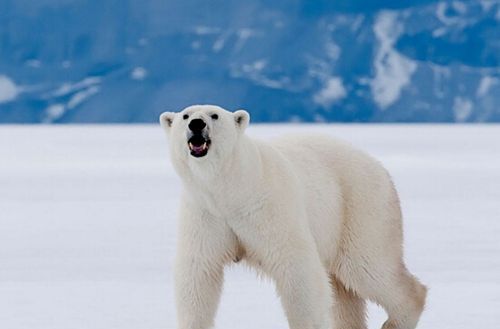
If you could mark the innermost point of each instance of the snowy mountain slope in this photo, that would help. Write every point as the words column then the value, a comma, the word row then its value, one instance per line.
column 127, row 61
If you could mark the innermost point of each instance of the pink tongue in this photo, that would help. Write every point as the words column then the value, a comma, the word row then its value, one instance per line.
column 197, row 148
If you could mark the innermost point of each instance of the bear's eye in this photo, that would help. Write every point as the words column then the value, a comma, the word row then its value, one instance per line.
column 214, row 116
column 185, row 116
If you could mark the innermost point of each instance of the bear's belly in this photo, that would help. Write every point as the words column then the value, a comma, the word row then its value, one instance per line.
column 256, row 225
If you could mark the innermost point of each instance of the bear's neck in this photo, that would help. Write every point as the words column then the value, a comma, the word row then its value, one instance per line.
column 233, row 180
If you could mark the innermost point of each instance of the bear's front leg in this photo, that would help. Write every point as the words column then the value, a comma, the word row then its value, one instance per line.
column 204, row 246
column 304, row 288
column 285, row 251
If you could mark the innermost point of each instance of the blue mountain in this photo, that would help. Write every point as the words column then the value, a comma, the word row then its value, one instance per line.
column 285, row 60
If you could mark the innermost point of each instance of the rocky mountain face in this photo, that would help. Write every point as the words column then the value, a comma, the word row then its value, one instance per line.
column 347, row 60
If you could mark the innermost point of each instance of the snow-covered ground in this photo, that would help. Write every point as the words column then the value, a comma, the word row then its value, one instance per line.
column 88, row 218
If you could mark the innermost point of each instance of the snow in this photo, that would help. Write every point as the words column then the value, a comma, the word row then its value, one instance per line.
column 442, row 13
column 487, row 4
column 54, row 112
column 8, row 89
column 460, row 7
column 260, row 64
column 332, row 50
column 486, row 83
column 206, row 30
column 393, row 71
column 255, row 72
column 80, row 91
column 88, row 222
column 243, row 35
column 462, row 108
column 139, row 73
column 219, row 43
column 332, row 92
column 67, row 88
column 80, row 97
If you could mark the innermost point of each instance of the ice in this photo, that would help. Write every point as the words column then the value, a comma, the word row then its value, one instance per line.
column 88, row 222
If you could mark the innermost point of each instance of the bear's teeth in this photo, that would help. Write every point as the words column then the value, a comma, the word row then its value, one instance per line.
column 202, row 147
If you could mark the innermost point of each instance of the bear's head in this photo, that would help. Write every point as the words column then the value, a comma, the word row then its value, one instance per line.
column 202, row 133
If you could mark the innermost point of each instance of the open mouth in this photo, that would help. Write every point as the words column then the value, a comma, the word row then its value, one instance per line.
column 198, row 145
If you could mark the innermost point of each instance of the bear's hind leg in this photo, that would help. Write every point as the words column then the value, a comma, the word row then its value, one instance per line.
column 395, row 289
column 406, row 303
column 349, row 310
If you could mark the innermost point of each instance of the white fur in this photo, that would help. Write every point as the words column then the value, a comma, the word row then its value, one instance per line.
column 319, row 217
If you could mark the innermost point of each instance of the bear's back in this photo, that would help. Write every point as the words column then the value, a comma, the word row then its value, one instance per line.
column 321, row 155
column 328, row 166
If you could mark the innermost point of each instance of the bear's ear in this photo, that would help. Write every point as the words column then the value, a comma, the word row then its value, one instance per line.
column 166, row 119
column 242, row 119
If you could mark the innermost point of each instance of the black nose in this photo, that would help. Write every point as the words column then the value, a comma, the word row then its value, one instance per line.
column 197, row 125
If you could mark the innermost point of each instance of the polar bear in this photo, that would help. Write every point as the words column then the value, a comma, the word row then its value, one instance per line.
column 319, row 217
